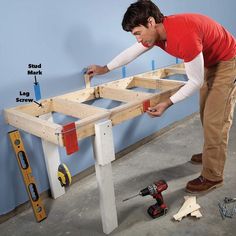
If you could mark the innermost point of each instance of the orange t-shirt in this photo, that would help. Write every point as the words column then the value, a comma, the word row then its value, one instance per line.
column 189, row 34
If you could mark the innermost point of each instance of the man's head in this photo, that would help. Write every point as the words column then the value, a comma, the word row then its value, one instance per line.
column 138, row 14
column 143, row 19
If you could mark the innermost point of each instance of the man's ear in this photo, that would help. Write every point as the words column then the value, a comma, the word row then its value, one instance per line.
column 151, row 21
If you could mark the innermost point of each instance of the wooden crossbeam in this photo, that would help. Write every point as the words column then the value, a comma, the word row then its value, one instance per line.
column 160, row 84
column 164, row 72
column 81, row 95
column 126, row 112
column 121, row 83
column 173, row 71
column 34, row 109
column 121, row 95
column 145, row 83
column 169, row 84
column 85, row 127
column 33, row 125
column 74, row 108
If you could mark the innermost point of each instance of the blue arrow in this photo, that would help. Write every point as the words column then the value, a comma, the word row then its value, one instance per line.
column 37, row 91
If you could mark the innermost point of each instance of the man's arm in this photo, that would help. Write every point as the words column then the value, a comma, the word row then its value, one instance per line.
column 123, row 58
column 127, row 56
column 195, row 72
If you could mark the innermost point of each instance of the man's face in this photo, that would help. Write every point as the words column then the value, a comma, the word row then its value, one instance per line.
column 146, row 35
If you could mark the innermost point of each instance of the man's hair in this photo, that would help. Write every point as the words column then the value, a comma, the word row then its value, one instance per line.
column 138, row 13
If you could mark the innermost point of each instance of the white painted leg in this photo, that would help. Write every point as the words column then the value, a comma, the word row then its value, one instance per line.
column 52, row 160
column 107, row 197
column 104, row 154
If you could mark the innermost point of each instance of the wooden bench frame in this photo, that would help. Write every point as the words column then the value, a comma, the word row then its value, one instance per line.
column 94, row 121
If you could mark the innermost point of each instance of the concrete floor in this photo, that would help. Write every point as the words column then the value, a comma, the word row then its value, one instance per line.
column 166, row 157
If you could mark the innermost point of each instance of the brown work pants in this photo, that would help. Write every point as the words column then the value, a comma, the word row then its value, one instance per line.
column 217, row 100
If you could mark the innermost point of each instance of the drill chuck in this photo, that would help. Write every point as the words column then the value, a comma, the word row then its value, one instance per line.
column 154, row 189
column 150, row 190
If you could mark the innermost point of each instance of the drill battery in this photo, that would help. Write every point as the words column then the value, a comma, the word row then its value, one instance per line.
column 156, row 211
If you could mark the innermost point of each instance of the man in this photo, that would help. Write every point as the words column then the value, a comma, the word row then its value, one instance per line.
column 209, row 54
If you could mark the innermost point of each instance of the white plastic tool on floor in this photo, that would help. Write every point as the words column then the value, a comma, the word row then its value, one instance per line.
column 190, row 206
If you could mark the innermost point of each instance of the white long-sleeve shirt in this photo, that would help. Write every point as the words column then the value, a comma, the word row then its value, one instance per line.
column 194, row 70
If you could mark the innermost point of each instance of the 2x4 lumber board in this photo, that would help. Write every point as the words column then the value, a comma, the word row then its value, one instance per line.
column 34, row 109
column 126, row 112
column 121, row 83
column 93, row 118
column 85, row 127
column 125, row 107
column 85, row 131
column 156, row 83
column 179, row 65
column 169, row 84
column 33, row 125
column 52, row 161
column 162, row 72
column 121, row 95
column 173, row 71
column 159, row 73
column 148, row 83
column 81, row 95
column 75, row 109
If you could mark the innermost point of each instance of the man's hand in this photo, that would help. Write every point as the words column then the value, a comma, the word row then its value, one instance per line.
column 96, row 70
column 159, row 109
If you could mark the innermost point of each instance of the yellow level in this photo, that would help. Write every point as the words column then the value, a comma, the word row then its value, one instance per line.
column 26, row 171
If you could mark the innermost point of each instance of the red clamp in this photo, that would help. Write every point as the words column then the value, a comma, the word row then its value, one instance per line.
column 146, row 105
column 70, row 138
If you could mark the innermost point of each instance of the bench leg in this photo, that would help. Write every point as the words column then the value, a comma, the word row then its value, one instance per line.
column 52, row 160
column 104, row 154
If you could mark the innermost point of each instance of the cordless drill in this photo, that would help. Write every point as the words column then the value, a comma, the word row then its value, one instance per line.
column 155, row 190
